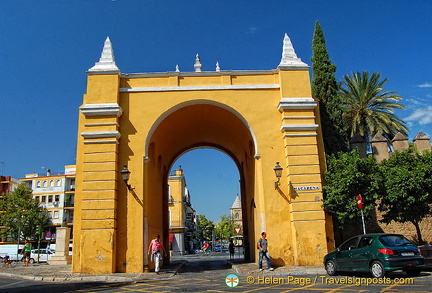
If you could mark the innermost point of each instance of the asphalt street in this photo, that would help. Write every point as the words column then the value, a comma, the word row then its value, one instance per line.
column 213, row 273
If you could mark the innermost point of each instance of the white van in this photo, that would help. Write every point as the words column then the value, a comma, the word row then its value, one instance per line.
column 13, row 250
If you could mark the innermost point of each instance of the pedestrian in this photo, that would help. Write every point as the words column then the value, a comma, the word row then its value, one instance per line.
column 231, row 249
column 262, row 245
column 154, row 249
column 204, row 248
column 26, row 251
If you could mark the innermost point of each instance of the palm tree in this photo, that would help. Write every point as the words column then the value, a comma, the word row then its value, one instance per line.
column 368, row 108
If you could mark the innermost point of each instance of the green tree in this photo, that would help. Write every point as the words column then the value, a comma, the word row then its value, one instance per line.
column 368, row 108
column 21, row 214
column 225, row 228
column 325, row 90
column 407, row 196
column 347, row 176
column 206, row 226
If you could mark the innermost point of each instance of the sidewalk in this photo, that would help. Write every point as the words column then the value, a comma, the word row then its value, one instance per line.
column 58, row 273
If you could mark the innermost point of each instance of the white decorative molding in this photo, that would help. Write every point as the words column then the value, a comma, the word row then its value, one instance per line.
column 304, row 127
column 100, row 141
column 289, row 57
column 106, row 62
column 100, row 134
column 108, row 109
column 101, row 124
column 300, row 135
column 201, row 88
column 297, row 104
column 298, row 117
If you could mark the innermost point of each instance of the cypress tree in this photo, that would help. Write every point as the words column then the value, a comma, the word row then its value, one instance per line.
column 325, row 90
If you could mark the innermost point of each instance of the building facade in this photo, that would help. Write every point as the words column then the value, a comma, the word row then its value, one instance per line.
column 236, row 213
column 8, row 184
column 183, row 222
column 55, row 193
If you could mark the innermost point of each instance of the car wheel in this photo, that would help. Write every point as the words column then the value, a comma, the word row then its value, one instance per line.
column 31, row 260
column 377, row 269
column 330, row 268
column 413, row 273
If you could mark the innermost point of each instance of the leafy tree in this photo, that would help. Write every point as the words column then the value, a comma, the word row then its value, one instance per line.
column 225, row 227
column 21, row 214
column 325, row 90
column 206, row 226
column 368, row 108
column 407, row 196
column 347, row 176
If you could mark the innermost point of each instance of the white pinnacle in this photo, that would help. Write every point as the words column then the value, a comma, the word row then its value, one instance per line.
column 106, row 62
column 197, row 65
column 289, row 57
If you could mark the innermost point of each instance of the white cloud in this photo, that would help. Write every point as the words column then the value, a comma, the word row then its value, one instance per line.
column 426, row 84
column 421, row 116
column 252, row 29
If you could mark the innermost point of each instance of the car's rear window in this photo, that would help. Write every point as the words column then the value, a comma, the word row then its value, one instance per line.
column 394, row 240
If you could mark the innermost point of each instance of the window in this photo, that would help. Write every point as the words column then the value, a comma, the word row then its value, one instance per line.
column 44, row 184
column 43, row 198
column 56, row 214
column 38, row 184
column 50, row 198
column 37, row 198
column 350, row 244
column 58, row 182
column 365, row 242
column 57, row 197
column 51, row 183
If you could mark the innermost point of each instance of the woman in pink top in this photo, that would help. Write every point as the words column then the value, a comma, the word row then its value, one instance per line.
column 155, row 248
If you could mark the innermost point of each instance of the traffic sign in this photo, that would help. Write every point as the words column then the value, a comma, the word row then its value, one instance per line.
column 237, row 230
column 359, row 201
column 48, row 235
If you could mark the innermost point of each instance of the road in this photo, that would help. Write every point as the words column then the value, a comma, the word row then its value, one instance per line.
column 212, row 273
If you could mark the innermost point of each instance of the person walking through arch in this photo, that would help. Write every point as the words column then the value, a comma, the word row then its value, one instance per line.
column 262, row 245
column 154, row 249
column 231, row 249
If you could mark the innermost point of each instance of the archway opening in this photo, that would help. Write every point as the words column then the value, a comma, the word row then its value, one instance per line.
column 204, row 203
column 191, row 127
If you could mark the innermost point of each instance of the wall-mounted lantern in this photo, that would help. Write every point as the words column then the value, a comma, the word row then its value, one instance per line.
column 125, row 176
column 278, row 172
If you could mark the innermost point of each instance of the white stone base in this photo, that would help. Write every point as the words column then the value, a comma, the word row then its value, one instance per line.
column 60, row 260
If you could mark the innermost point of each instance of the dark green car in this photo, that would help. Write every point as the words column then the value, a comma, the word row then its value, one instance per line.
column 375, row 253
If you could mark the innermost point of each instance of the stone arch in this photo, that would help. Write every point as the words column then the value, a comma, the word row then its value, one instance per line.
column 200, row 125
column 198, row 102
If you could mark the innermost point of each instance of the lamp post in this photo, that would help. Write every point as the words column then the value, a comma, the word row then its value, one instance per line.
column 278, row 172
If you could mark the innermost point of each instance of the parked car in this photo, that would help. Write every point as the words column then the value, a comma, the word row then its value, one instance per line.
column 43, row 255
column 375, row 253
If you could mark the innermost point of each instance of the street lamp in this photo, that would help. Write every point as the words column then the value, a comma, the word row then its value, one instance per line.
column 125, row 176
column 278, row 172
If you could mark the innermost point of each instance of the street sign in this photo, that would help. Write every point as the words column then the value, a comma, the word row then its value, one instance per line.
column 48, row 235
column 359, row 201
column 237, row 230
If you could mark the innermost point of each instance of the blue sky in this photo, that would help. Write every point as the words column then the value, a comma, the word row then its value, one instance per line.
column 47, row 46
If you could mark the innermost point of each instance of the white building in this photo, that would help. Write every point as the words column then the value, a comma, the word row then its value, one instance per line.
column 56, row 193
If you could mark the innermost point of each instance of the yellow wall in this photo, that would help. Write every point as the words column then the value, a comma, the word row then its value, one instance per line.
column 251, row 116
